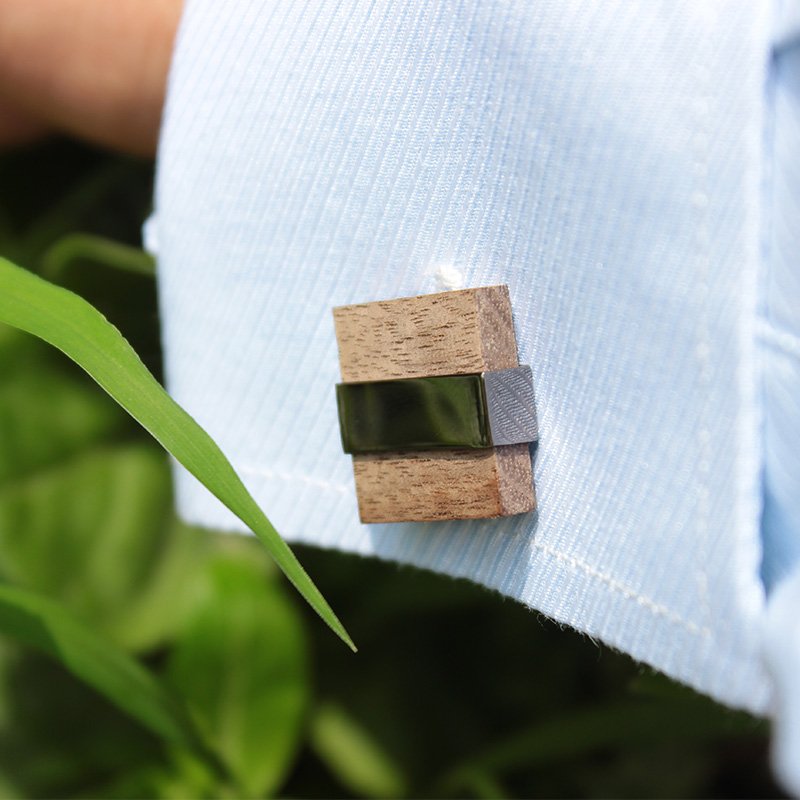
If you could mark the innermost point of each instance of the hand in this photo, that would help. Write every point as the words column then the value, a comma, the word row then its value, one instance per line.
column 93, row 68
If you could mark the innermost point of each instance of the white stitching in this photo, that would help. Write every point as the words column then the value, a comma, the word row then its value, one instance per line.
column 700, row 200
column 655, row 608
column 271, row 474
column 630, row 594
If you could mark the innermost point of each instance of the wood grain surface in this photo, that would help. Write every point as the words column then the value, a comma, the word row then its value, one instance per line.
column 450, row 333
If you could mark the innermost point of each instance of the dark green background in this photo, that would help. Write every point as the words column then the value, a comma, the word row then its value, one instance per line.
column 455, row 692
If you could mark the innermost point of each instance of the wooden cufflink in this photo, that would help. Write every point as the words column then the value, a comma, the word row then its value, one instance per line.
column 435, row 407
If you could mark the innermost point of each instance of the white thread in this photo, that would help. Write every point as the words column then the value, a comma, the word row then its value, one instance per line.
column 656, row 608
column 271, row 474
column 700, row 198
column 645, row 602
column 448, row 277
column 620, row 588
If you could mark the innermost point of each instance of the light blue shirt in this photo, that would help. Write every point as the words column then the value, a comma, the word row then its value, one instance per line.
column 629, row 169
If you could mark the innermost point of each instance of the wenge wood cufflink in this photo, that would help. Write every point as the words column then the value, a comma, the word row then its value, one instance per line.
column 435, row 408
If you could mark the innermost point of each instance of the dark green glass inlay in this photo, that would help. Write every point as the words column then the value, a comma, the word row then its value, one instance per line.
column 413, row 414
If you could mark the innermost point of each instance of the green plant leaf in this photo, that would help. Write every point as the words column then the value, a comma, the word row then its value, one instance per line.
column 184, row 777
column 100, row 536
column 72, row 325
column 87, row 247
column 82, row 190
column 163, row 602
column 37, row 622
column 57, row 733
column 118, row 280
column 47, row 417
column 242, row 667
column 95, row 507
column 353, row 756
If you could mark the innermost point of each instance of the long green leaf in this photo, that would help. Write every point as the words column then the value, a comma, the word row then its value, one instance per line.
column 72, row 325
column 353, row 756
column 241, row 664
column 38, row 622
column 77, row 246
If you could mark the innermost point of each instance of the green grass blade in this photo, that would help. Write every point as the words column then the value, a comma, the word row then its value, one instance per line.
column 85, row 246
column 38, row 622
column 75, row 327
column 353, row 756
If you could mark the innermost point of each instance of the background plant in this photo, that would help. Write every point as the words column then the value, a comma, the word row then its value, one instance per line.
column 455, row 692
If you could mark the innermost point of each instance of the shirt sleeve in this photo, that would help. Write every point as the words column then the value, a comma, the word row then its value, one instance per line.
column 607, row 161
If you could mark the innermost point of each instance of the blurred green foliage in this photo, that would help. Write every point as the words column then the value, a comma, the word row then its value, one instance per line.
column 455, row 692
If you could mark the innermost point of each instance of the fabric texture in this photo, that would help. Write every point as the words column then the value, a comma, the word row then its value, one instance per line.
column 780, row 336
column 780, row 315
column 782, row 649
column 608, row 161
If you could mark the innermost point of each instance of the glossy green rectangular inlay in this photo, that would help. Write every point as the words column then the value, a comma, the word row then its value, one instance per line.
column 413, row 414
